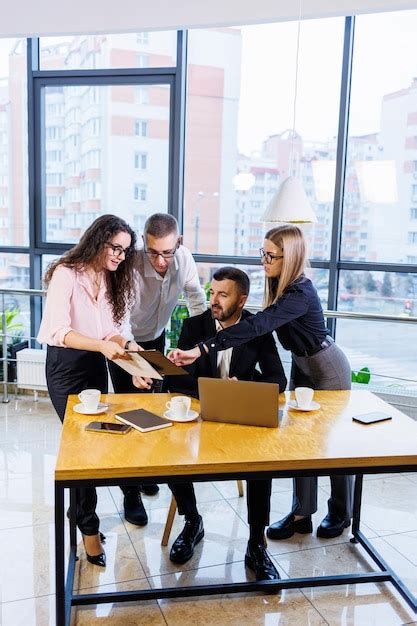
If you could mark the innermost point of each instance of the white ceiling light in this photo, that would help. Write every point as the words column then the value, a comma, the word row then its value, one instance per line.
column 290, row 204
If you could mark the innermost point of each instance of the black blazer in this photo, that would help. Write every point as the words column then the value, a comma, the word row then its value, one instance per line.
column 261, row 350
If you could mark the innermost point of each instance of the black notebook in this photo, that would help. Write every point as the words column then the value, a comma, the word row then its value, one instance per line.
column 142, row 420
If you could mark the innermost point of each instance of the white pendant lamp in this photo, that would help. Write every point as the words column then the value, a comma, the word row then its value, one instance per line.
column 290, row 203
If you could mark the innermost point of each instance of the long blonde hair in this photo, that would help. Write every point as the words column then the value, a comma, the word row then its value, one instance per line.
column 291, row 240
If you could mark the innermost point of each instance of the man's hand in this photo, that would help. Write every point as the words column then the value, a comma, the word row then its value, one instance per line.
column 184, row 357
column 142, row 383
column 111, row 350
column 232, row 378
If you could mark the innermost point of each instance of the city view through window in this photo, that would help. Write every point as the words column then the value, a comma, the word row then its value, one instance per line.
column 105, row 148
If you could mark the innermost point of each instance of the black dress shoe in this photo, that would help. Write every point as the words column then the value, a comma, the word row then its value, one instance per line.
column 286, row 527
column 149, row 490
column 134, row 510
column 257, row 559
column 331, row 526
column 183, row 547
column 98, row 559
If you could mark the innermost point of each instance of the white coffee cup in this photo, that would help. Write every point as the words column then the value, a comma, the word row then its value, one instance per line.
column 179, row 406
column 304, row 396
column 90, row 399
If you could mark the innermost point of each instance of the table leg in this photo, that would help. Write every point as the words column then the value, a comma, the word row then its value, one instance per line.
column 72, row 519
column 357, row 501
column 59, row 555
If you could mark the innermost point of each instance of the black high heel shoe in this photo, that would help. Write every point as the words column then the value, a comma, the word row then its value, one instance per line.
column 98, row 559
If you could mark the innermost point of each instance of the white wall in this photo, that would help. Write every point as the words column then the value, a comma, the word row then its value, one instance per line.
column 54, row 17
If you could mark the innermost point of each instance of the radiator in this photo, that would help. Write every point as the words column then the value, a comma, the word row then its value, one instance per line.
column 31, row 369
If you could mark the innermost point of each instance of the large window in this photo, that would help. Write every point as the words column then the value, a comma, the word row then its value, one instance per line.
column 201, row 124
column 94, row 160
column 381, row 177
column 240, row 143
column 14, row 219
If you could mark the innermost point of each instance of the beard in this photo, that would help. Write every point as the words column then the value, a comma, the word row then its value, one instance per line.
column 221, row 314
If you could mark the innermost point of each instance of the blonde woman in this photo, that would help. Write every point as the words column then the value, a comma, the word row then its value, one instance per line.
column 293, row 310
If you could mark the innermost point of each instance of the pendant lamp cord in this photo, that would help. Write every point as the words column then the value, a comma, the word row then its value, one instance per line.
column 295, row 91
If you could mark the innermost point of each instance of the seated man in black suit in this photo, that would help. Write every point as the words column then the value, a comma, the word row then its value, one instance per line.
column 228, row 294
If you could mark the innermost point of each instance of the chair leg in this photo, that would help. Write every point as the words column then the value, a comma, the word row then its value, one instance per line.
column 240, row 488
column 169, row 522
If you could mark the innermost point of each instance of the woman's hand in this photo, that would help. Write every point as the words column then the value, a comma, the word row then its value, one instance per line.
column 133, row 346
column 111, row 350
column 142, row 383
column 184, row 357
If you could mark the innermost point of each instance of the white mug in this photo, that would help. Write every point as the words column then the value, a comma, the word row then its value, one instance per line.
column 304, row 396
column 179, row 406
column 90, row 399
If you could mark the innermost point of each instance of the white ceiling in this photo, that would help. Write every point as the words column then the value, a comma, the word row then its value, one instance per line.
column 54, row 17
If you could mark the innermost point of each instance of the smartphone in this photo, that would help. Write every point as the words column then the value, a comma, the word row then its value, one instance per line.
column 108, row 427
column 371, row 418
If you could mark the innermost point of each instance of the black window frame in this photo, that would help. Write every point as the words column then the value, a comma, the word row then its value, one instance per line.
column 176, row 77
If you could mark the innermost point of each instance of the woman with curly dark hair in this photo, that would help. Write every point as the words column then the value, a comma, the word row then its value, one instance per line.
column 90, row 288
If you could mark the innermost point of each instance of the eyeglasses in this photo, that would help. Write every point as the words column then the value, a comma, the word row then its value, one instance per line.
column 268, row 257
column 117, row 251
column 165, row 255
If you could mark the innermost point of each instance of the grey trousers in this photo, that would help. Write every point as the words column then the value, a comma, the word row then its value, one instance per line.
column 328, row 369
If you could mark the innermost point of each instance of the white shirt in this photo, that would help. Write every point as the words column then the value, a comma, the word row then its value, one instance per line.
column 224, row 357
column 156, row 296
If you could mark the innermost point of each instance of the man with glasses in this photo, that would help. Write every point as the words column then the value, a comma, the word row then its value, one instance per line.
column 164, row 270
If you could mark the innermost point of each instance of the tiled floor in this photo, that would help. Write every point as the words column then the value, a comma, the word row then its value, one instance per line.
column 29, row 435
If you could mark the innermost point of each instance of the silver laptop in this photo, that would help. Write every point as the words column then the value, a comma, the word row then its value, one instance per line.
column 239, row 402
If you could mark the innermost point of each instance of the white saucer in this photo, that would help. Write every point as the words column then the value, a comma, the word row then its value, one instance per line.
column 102, row 408
column 192, row 415
column 292, row 404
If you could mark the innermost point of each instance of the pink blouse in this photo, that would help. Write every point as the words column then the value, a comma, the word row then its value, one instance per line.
column 70, row 305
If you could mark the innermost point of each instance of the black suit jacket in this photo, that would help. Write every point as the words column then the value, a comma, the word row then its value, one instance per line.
column 261, row 350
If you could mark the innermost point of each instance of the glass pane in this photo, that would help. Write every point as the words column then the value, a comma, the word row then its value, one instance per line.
column 106, row 151
column 127, row 50
column 387, row 349
column 14, row 274
column 320, row 277
column 240, row 143
column 14, row 215
column 380, row 208
column 386, row 293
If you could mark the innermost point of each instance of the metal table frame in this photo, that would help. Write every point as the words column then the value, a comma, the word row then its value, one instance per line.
column 65, row 597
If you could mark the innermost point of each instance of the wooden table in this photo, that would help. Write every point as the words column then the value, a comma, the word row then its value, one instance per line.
column 317, row 443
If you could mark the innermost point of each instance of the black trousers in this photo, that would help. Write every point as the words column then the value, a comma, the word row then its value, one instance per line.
column 258, row 500
column 122, row 383
column 69, row 371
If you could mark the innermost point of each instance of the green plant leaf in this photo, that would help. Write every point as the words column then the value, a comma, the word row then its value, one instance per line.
column 362, row 376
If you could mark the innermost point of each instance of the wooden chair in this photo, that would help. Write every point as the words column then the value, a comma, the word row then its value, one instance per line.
column 173, row 510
